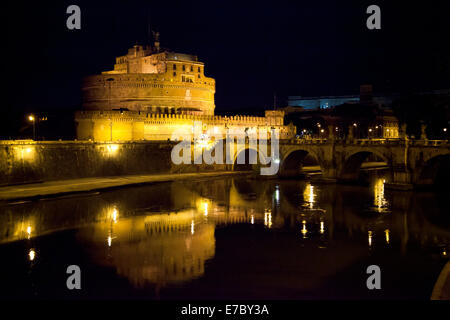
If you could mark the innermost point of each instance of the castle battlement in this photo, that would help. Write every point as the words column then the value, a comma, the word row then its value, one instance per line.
column 132, row 125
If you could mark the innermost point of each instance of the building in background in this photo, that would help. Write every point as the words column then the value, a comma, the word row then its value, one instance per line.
column 365, row 97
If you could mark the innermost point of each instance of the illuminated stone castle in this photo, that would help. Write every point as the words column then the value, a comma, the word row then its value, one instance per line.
column 151, row 93
column 148, row 80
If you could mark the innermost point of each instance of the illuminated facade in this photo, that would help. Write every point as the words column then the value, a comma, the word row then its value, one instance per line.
column 151, row 81
column 152, row 94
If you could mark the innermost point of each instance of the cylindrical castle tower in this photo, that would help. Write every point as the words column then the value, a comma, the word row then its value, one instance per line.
column 161, row 82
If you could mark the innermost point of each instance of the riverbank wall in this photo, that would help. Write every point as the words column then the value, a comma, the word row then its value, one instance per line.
column 27, row 161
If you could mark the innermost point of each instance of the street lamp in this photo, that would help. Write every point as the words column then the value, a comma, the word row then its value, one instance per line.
column 32, row 119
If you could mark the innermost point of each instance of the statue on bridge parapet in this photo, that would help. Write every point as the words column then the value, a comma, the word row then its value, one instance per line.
column 331, row 135
column 423, row 134
column 402, row 132
column 350, row 136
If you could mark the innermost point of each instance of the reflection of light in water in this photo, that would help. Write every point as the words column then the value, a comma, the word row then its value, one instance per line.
column 109, row 240
column 29, row 231
column 203, row 206
column 322, row 227
column 277, row 194
column 304, row 231
column 386, row 232
column 252, row 219
column 115, row 215
column 370, row 238
column 309, row 195
column 192, row 227
column 379, row 199
column 268, row 218
column 31, row 254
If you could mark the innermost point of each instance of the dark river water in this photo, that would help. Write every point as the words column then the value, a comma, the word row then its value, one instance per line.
column 227, row 238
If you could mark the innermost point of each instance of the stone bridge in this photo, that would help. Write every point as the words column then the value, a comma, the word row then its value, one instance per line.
column 411, row 162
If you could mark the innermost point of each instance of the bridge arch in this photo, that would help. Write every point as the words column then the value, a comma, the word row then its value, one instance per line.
column 245, row 154
column 435, row 171
column 292, row 162
column 351, row 166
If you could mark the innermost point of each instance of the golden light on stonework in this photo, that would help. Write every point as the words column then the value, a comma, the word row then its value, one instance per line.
column 25, row 153
column 112, row 149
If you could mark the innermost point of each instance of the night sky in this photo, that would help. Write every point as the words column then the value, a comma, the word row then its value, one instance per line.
column 252, row 49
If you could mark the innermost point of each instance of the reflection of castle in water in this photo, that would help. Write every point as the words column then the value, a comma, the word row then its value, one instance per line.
column 159, row 248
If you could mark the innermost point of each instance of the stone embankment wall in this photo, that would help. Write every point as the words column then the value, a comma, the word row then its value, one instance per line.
column 31, row 161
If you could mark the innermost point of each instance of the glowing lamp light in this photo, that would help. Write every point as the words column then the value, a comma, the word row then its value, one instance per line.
column 32, row 254
column 112, row 148
column 370, row 238
column 445, row 129
column 354, row 124
column 386, row 232
column 304, row 230
column 31, row 118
